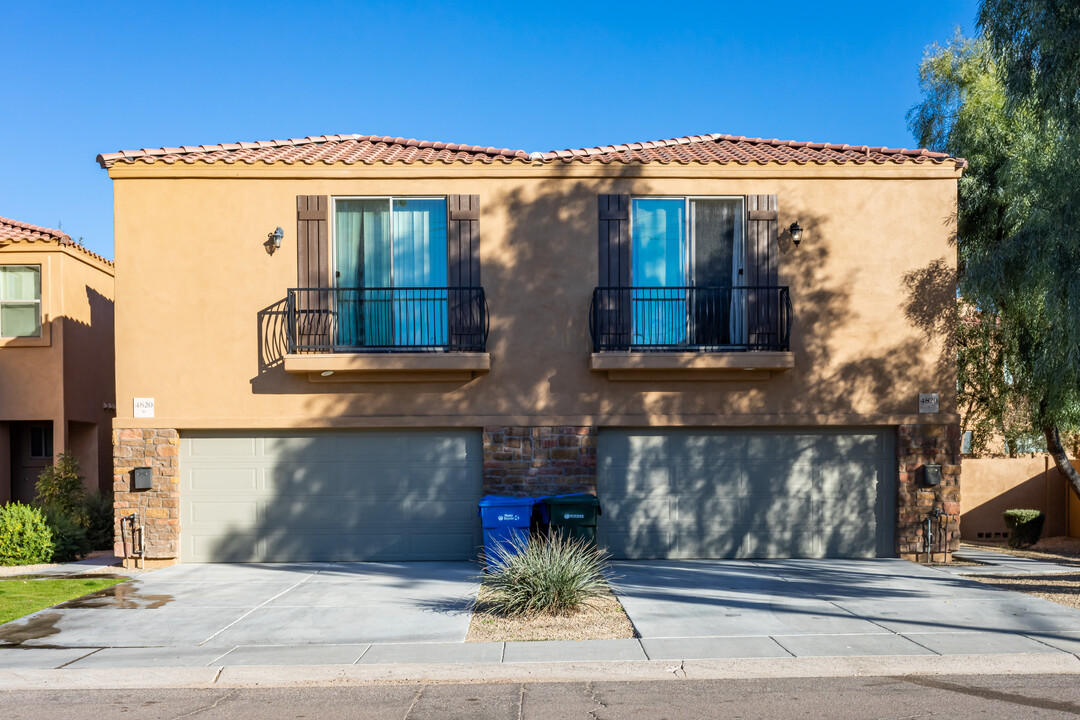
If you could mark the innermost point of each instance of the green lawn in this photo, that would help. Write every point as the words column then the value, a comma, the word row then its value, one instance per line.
column 22, row 597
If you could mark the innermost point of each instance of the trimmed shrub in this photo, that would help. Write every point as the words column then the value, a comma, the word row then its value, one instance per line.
column 99, row 516
column 553, row 576
column 25, row 538
column 1025, row 527
column 60, row 489
column 68, row 536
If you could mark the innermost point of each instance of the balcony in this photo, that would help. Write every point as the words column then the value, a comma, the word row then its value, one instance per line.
column 377, row 334
column 691, row 333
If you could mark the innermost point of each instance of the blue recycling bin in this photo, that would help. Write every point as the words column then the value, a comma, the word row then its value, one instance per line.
column 503, row 519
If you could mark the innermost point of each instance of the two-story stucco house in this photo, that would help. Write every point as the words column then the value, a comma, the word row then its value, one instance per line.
column 56, row 358
column 725, row 338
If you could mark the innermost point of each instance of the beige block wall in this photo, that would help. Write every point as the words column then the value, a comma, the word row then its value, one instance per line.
column 994, row 485
column 870, row 284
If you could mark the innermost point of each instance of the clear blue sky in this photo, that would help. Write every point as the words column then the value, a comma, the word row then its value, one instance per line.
column 80, row 78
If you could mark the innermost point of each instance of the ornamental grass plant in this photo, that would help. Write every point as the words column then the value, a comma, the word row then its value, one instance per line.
column 555, row 576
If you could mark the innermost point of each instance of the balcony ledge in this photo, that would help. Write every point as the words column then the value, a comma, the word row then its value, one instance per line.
column 388, row 367
column 737, row 366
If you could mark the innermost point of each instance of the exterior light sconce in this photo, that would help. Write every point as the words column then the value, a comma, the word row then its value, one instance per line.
column 273, row 240
column 795, row 230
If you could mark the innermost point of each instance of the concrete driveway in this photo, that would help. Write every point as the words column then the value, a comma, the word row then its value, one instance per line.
column 217, row 606
column 779, row 608
column 373, row 613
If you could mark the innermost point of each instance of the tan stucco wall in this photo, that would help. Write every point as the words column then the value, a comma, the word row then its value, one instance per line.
column 67, row 375
column 195, row 276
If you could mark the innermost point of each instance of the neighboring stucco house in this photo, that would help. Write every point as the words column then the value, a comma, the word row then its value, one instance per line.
column 443, row 321
column 57, row 388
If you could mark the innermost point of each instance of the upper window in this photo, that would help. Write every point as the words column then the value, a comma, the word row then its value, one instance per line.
column 679, row 242
column 686, row 265
column 390, row 258
column 20, row 301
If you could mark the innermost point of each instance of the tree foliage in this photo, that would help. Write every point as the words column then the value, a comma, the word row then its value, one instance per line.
column 1007, row 103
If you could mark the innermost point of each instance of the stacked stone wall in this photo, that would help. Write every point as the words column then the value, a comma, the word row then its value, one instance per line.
column 158, row 507
column 535, row 461
column 916, row 446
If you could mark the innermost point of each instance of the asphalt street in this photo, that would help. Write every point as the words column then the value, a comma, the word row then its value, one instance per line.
column 985, row 696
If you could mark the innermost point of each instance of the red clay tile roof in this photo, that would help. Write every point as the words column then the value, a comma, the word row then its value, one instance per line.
column 726, row 149
column 370, row 149
column 328, row 149
column 13, row 231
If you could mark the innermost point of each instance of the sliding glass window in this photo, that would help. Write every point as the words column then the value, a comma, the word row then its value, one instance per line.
column 686, row 266
column 391, row 273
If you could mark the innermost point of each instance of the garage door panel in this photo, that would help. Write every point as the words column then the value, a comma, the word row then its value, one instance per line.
column 236, row 547
column 238, row 479
column 717, row 478
column 341, row 495
column 634, row 512
column 762, row 493
column 644, row 480
column 238, row 513
column 701, row 511
column 221, row 447
column 776, row 511
column 778, row 477
column 786, row 449
column 837, row 479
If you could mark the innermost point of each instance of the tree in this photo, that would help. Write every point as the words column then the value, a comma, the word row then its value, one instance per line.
column 1018, row 255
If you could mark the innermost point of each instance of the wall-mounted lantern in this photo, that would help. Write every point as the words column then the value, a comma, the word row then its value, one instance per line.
column 273, row 240
column 796, row 233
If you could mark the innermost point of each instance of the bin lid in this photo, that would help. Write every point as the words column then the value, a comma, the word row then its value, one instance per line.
column 502, row 500
column 587, row 498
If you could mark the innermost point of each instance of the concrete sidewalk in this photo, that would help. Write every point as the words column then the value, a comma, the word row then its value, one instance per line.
column 793, row 614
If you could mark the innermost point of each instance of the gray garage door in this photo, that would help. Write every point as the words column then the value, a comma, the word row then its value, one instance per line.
column 356, row 495
column 739, row 494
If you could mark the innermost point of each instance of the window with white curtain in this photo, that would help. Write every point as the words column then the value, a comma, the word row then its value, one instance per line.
column 391, row 271
column 20, row 301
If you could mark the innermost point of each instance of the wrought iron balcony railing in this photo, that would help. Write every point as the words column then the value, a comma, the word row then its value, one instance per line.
column 431, row 319
column 709, row 319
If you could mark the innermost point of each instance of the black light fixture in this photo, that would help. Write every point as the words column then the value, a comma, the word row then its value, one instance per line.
column 795, row 230
column 274, row 240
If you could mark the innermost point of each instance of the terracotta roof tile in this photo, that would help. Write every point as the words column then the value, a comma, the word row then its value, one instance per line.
column 13, row 231
column 371, row 149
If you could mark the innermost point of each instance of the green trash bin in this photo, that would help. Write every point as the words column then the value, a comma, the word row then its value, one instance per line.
column 572, row 515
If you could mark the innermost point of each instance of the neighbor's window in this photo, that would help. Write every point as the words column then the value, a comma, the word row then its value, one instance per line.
column 41, row 441
column 20, row 301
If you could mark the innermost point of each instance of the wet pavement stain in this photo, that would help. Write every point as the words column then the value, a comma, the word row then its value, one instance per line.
column 125, row 596
column 39, row 626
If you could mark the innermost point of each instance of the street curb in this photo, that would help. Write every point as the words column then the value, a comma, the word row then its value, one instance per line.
column 727, row 669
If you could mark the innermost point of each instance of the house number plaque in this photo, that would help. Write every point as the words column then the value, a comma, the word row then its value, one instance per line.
column 928, row 402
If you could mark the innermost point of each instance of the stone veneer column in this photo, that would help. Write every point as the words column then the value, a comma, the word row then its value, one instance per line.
column 158, row 449
column 533, row 461
column 917, row 445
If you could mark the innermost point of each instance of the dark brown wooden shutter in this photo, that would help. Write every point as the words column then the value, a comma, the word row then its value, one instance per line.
column 464, row 294
column 762, row 306
column 613, row 310
column 313, row 321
